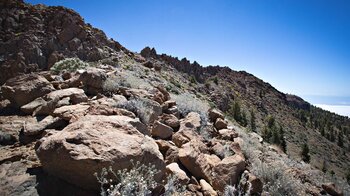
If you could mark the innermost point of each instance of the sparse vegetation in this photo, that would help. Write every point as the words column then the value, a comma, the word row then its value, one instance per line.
column 215, row 80
column 274, row 134
column 138, row 181
column 69, row 64
column 193, row 80
column 186, row 103
column 232, row 190
column 238, row 115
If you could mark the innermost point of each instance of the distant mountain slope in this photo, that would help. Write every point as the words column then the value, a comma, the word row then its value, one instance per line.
column 303, row 123
column 35, row 37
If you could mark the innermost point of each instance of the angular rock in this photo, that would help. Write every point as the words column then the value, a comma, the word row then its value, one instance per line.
column 37, row 125
column 256, row 184
column 193, row 158
column 170, row 103
column 207, row 189
column 170, row 120
column 215, row 114
column 173, row 110
column 227, row 134
column 71, row 111
column 23, row 89
column 92, row 143
column 160, row 95
column 187, row 132
column 181, row 176
column 14, row 180
column 169, row 151
column 161, row 130
column 107, row 110
column 227, row 171
column 220, row 124
column 193, row 118
column 222, row 150
column 30, row 107
column 7, row 139
column 76, row 95
column 93, row 80
column 55, row 99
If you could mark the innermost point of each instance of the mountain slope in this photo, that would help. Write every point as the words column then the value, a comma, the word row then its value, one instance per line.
column 302, row 121
column 34, row 38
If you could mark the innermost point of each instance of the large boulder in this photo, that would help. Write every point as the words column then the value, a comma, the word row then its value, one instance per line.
column 161, row 130
column 193, row 156
column 93, row 80
column 186, row 133
column 95, row 142
column 227, row 171
column 23, row 89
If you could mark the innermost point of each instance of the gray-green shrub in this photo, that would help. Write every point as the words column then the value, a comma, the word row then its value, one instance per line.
column 69, row 64
column 138, row 181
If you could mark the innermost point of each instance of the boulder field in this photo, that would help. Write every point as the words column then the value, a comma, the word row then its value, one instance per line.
column 73, row 134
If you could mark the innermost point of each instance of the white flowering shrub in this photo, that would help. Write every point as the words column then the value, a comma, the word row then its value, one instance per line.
column 69, row 64
column 187, row 103
column 142, row 107
column 234, row 191
column 138, row 181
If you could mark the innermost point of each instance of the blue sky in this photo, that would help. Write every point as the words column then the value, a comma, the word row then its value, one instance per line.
column 300, row 47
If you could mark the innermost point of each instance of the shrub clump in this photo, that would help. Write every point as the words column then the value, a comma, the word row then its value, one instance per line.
column 138, row 181
column 276, row 182
column 69, row 64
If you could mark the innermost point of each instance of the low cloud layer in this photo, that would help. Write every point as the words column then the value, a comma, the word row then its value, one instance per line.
column 339, row 109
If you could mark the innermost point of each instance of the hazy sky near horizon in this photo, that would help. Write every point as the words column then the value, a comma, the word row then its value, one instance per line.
column 300, row 47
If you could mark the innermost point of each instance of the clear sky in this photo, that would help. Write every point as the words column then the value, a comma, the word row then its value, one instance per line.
column 300, row 47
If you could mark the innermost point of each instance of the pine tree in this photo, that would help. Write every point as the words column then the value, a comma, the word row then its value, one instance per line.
column 270, row 121
column 322, row 130
column 324, row 166
column 283, row 143
column 305, row 153
column 266, row 134
column 252, row 121
column 244, row 121
column 340, row 139
column 332, row 136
